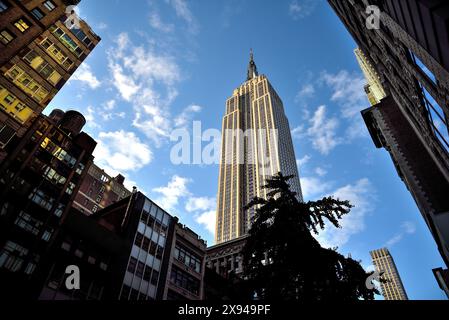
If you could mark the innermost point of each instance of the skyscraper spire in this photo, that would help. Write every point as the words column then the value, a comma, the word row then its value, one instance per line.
column 252, row 68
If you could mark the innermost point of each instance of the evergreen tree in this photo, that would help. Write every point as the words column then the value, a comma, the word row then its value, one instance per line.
column 284, row 261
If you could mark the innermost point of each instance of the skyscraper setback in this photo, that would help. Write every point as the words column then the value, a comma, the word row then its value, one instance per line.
column 256, row 144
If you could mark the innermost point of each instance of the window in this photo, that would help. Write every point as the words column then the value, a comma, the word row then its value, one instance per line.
column 47, row 235
column 139, row 270
column 95, row 209
column 184, row 280
column 4, row 5
column 147, row 274
column 188, row 259
column 103, row 266
column 132, row 265
column 67, row 41
column 22, row 25
column 66, row 246
column 91, row 260
column 37, row 13
column 49, row 5
column 154, row 277
column 35, row 61
column 11, row 257
column 6, row 36
column 9, row 99
column 82, row 36
column 6, row 135
column 28, row 223
column 56, row 53
column 138, row 240
column 79, row 253
column 27, row 83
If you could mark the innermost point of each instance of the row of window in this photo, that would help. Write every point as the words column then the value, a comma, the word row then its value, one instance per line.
column 22, row 24
column 184, row 280
column 13, row 106
column 143, row 271
column 46, row 70
column 33, row 226
column 26, row 82
column 149, row 246
column 188, row 259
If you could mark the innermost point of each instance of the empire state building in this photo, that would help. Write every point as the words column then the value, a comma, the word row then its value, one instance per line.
column 256, row 144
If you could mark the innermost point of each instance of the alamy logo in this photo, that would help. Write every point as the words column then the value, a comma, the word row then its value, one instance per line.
column 373, row 20
column 73, row 20
column 375, row 277
column 73, row 280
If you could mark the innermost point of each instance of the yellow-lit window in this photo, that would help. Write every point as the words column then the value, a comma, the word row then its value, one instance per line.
column 22, row 25
column 54, row 78
column 27, row 84
column 14, row 107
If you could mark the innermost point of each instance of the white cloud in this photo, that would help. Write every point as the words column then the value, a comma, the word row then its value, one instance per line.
column 85, row 75
column 183, row 11
column 147, row 79
column 90, row 117
column 307, row 91
column 314, row 188
column 187, row 115
column 109, row 105
column 303, row 161
column 125, row 84
column 156, row 23
column 320, row 171
column 407, row 228
column 122, row 151
column 102, row 26
column 200, row 204
column 361, row 195
column 299, row 9
column 173, row 192
column 208, row 220
column 348, row 91
column 323, row 132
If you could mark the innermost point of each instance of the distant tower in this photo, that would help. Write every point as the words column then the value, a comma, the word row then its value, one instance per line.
column 253, row 110
column 392, row 289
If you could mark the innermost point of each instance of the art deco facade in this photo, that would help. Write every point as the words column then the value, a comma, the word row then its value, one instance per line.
column 38, row 54
column 410, row 55
column 99, row 190
column 256, row 144
column 392, row 287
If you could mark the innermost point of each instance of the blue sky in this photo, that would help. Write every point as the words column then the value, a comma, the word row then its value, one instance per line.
column 162, row 64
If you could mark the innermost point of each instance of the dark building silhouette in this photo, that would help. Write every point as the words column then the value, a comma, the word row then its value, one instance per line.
column 131, row 250
column 38, row 54
column 410, row 55
column 38, row 183
column 442, row 277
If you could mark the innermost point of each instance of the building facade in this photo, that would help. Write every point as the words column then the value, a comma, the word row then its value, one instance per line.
column 256, row 145
column 99, row 190
column 186, row 267
column 392, row 287
column 409, row 53
column 38, row 54
column 38, row 183
column 131, row 250
column 373, row 89
column 226, row 259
